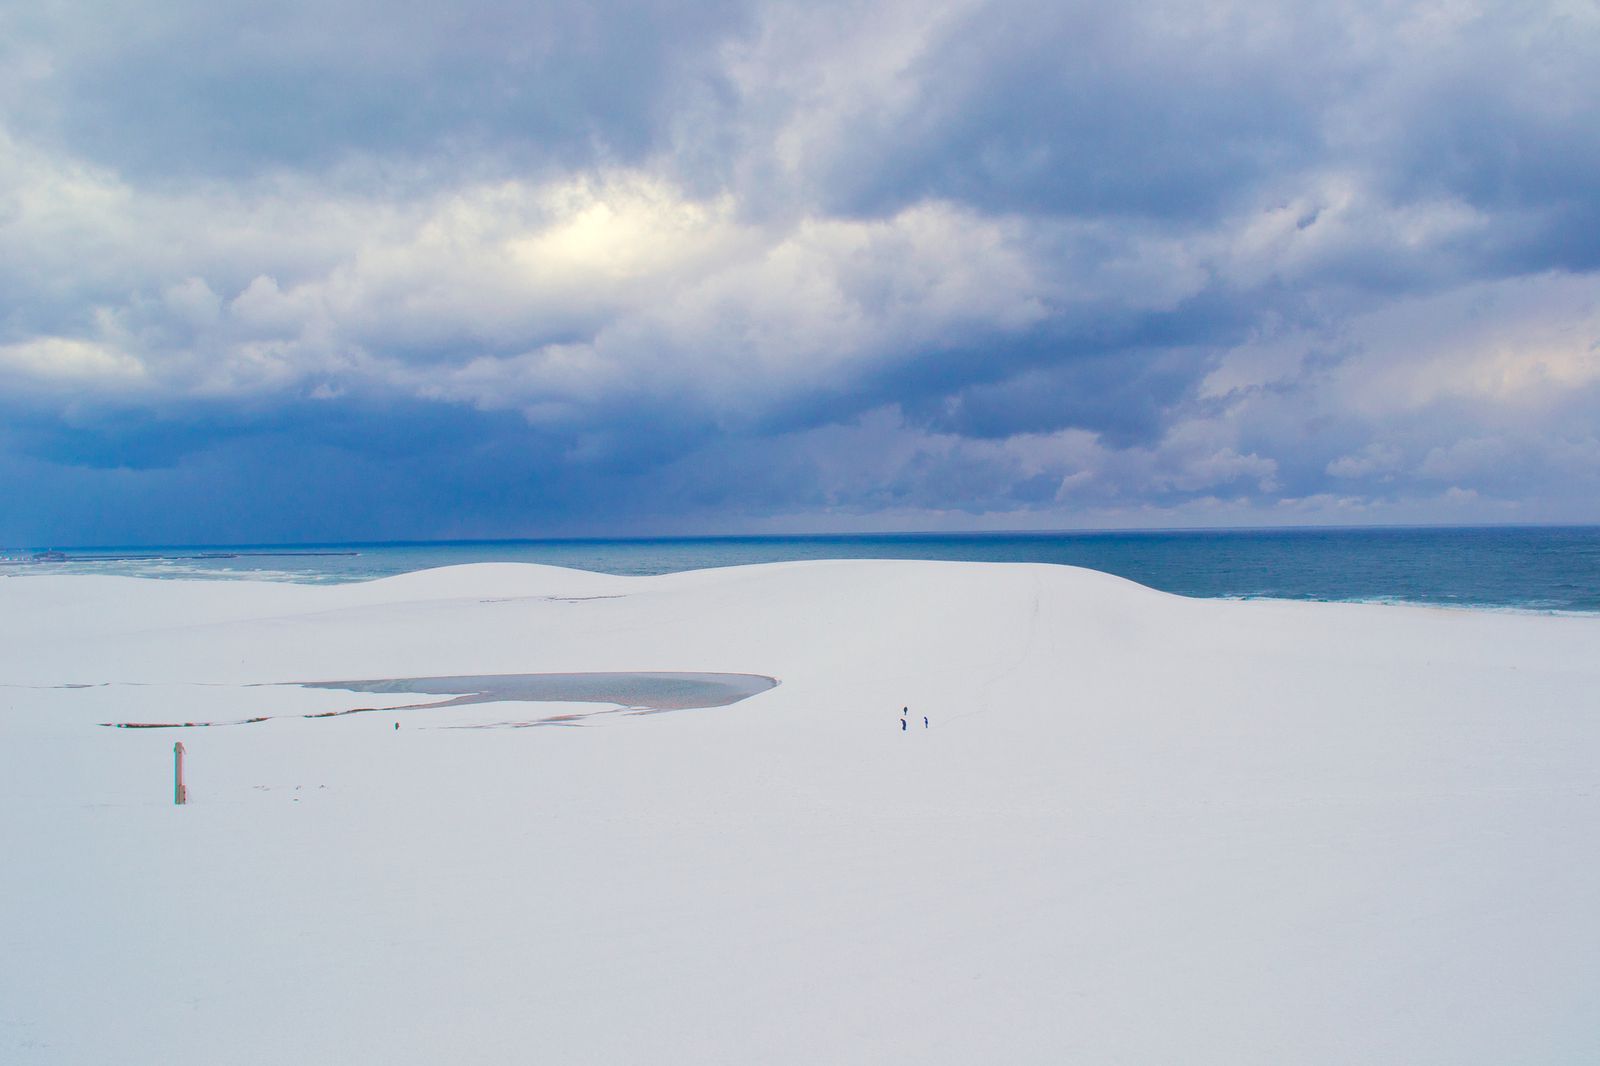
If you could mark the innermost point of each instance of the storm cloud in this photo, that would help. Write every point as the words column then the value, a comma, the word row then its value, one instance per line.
column 293, row 272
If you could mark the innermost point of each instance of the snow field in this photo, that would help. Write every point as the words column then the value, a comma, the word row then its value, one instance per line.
column 1141, row 828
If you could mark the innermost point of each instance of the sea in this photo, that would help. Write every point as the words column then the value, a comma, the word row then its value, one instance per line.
column 1542, row 569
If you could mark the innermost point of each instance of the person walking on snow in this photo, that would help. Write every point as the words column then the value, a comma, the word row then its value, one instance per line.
column 902, row 725
column 924, row 721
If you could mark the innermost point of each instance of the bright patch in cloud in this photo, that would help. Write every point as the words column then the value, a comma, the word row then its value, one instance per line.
column 69, row 360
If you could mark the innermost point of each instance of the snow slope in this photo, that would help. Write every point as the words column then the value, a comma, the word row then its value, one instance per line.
column 1141, row 829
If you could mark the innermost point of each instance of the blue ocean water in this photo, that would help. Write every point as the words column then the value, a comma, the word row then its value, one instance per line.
column 1535, row 568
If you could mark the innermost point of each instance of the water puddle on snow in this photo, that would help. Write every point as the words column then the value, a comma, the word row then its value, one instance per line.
column 626, row 693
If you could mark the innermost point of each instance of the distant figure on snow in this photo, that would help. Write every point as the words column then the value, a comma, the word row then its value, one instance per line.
column 902, row 725
column 924, row 721
column 904, row 711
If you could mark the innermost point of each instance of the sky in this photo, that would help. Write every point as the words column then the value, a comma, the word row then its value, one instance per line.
column 303, row 272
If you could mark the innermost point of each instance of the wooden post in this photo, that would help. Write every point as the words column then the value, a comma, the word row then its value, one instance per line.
column 180, row 791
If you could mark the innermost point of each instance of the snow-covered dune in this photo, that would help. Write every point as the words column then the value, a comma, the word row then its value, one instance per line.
column 1137, row 828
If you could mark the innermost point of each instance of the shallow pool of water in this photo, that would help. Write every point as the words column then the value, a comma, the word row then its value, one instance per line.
column 651, row 691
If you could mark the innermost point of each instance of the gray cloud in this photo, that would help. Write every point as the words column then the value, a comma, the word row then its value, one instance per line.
column 231, row 90
column 1044, row 264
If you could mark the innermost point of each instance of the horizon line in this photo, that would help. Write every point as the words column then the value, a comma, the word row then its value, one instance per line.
column 814, row 535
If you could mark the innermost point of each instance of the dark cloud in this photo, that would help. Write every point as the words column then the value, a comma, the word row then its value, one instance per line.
column 232, row 90
column 378, row 270
column 1088, row 109
column 1123, row 396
